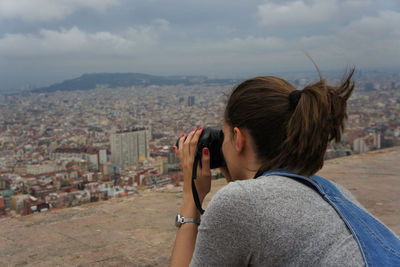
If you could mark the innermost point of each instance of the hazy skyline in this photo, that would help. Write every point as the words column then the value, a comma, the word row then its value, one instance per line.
column 46, row 41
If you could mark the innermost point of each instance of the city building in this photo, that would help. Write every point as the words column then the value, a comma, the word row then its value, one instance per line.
column 7, row 198
column 359, row 146
column 129, row 147
column 17, row 202
column 191, row 101
column 93, row 156
column 3, row 211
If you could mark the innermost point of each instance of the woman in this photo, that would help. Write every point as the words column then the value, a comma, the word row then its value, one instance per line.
column 272, row 220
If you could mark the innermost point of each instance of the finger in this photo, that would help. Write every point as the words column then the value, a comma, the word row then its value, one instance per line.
column 195, row 140
column 203, row 184
column 181, row 141
column 180, row 146
column 205, row 161
column 176, row 150
column 186, row 145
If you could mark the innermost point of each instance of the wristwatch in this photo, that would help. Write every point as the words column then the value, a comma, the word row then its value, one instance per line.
column 179, row 220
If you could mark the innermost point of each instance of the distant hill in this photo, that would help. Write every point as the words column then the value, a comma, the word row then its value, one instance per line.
column 114, row 80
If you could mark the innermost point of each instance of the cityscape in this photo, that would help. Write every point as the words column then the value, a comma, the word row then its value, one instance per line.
column 67, row 148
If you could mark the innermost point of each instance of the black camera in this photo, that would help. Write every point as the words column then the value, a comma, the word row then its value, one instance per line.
column 212, row 138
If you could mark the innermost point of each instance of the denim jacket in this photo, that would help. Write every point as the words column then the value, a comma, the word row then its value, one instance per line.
column 379, row 246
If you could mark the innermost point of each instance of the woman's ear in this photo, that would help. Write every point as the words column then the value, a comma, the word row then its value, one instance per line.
column 239, row 139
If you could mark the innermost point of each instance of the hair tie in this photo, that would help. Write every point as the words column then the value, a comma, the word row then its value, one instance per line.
column 294, row 98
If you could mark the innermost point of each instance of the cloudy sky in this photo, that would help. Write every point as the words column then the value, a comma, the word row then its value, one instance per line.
column 46, row 41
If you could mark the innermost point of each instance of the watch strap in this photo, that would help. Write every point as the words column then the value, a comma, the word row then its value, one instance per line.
column 182, row 220
column 191, row 220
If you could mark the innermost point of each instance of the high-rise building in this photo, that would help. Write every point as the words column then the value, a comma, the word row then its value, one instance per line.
column 359, row 146
column 102, row 156
column 377, row 140
column 129, row 146
column 191, row 100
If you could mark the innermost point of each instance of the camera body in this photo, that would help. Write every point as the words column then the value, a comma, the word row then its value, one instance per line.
column 212, row 138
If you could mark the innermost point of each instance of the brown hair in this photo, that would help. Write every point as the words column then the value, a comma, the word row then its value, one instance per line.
column 293, row 137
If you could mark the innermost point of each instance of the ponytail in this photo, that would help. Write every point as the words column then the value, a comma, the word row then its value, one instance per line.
column 317, row 119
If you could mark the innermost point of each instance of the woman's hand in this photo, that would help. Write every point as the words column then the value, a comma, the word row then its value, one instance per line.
column 187, row 233
column 186, row 153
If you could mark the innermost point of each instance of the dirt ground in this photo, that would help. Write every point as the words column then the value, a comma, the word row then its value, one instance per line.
column 139, row 230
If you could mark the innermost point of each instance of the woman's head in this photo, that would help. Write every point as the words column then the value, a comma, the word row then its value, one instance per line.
column 289, row 130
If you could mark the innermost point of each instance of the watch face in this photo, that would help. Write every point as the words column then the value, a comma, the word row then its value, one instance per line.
column 177, row 220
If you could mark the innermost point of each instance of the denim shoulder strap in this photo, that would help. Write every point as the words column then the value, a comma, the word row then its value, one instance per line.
column 379, row 246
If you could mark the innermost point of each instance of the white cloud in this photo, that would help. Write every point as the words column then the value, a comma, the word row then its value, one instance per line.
column 296, row 13
column 75, row 42
column 306, row 12
column 366, row 42
column 374, row 39
column 226, row 56
column 246, row 45
column 356, row 3
column 162, row 24
column 45, row 10
column 385, row 25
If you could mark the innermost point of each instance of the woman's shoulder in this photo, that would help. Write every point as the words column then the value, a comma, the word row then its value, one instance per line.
column 264, row 186
column 231, row 195
column 230, row 203
column 275, row 189
column 244, row 189
column 285, row 185
column 278, row 190
column 243, row 195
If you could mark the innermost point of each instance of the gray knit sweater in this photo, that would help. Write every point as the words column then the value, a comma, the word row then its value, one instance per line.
column 273, row 221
